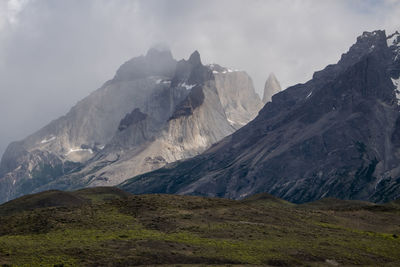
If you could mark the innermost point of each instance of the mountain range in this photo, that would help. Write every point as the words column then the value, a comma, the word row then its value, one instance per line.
column 156, row 110
column 337, row 135
column 181, row 127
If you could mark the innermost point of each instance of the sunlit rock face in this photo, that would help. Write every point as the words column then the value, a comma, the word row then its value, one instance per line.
column 154, row 111
column 337, row 135
column 237, row 95
column 272, row 86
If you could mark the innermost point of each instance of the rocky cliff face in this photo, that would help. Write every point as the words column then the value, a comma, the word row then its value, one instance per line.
column 154, row 111
column 272, row 86
column 335, row 136
column 241, row 105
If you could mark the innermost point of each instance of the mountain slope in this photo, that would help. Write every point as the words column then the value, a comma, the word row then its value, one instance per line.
column 154, row 111
column 334, row 136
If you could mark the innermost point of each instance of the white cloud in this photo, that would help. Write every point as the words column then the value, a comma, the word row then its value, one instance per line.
column 9, row 11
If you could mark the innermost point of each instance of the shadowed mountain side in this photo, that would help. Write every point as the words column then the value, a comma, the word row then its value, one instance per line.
column 334, row 136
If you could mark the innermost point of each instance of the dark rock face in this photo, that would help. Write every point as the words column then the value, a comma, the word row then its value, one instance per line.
column 191, row 102
column 134, row 117
column 37, row 167
column 335, row 136
column 191, row 72
column 8, row 162
column 192, row 75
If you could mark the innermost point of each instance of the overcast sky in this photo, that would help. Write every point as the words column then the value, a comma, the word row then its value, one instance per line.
column 53, row 53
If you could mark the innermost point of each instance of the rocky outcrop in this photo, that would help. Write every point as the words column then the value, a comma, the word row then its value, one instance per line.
column 272, row 86
column 238, row 98
column 154, row 111
column 134, row 117
column 195, row 123
column 335, row 136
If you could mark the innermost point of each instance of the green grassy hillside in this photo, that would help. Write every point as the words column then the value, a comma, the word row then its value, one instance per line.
column 108, row 227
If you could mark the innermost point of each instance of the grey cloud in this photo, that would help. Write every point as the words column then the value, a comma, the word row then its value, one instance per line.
column 53, row 53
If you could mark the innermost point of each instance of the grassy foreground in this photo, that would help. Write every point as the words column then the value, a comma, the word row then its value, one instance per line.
column 108, row 227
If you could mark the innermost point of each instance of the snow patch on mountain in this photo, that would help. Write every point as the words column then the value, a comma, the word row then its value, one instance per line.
column 229, row 70
column 72, row 150
column 44, row 141
column 216, row 69
column 187, row 86
column 393, row 40
column 231, row 122
column 396, row 82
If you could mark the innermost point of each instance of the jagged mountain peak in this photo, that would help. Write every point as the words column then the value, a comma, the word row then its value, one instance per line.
column 366, row 43
column 370, row 36
column 337, row 135
column 154, row 111
column 155, row 63
column 195, row 59
column 272, row 76
column 272, row 86
column 393, row 42
column 393, row 39
column 191, row 72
